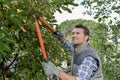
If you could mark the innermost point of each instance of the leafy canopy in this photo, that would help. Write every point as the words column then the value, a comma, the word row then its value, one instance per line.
column 18, row 35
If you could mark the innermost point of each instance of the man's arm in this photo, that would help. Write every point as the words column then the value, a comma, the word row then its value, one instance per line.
column 61, row 37
column 64, row 76
column 68, row 45
column 85, row 71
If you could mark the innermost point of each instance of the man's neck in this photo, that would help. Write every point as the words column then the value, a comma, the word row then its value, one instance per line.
column 80, row 45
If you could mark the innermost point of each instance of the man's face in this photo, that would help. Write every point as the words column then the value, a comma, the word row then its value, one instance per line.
column 78, row 36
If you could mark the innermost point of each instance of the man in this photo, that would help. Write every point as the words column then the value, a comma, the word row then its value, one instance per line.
column 85, row 63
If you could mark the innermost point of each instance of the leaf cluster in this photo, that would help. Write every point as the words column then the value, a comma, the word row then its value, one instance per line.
column 18, row 35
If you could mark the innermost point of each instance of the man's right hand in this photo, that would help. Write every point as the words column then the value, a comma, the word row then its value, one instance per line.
column 59, row 34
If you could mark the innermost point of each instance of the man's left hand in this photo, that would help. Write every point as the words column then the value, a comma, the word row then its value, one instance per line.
column 50, row 69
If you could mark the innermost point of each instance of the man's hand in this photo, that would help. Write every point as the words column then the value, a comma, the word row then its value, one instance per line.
column 59, row 34
column 50, row 69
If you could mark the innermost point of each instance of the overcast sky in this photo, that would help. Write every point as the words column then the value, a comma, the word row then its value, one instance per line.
column 77, row 13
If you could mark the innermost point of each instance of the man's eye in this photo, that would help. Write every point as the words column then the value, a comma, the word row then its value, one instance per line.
column 77, row 33
column 73, row 33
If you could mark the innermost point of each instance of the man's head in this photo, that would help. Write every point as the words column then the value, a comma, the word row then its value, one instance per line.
column 80, row 34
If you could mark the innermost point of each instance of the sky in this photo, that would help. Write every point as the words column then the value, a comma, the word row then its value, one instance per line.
column 77, row 13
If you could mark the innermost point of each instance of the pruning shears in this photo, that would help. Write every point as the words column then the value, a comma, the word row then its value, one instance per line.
column 41, row 19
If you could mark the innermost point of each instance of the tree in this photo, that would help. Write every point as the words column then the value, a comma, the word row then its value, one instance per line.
column 105, row 11
column 18, row 36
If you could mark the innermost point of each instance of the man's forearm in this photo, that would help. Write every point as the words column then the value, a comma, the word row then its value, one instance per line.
column 64, row 76
column 62, row 39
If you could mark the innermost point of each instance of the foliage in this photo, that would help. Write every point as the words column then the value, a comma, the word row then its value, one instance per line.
column 18, row 35
column 107, row 12
column 103, row 9
column 106, row 47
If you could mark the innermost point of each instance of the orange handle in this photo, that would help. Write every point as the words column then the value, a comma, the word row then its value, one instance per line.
column 44, row 22
column 40, row 40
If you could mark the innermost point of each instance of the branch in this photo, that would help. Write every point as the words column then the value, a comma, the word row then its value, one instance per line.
column 12, row 61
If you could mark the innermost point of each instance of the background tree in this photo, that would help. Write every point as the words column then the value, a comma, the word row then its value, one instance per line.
column 18, row 36
column 105, row 11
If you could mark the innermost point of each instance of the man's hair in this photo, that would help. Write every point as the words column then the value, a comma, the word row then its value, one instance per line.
column 86, row 30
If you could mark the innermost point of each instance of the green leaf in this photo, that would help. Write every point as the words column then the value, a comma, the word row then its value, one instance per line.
column 75, row 4
column 99, row 19
column 59, row 10
column 17, row 21
column 5, row 1
column 4, row 47
column 66, row 9
column 105, row 16
column 96, row 16
column 71, row 3
column 8, row 39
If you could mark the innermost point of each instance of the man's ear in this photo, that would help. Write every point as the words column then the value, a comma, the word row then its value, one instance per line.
column 86, row 37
